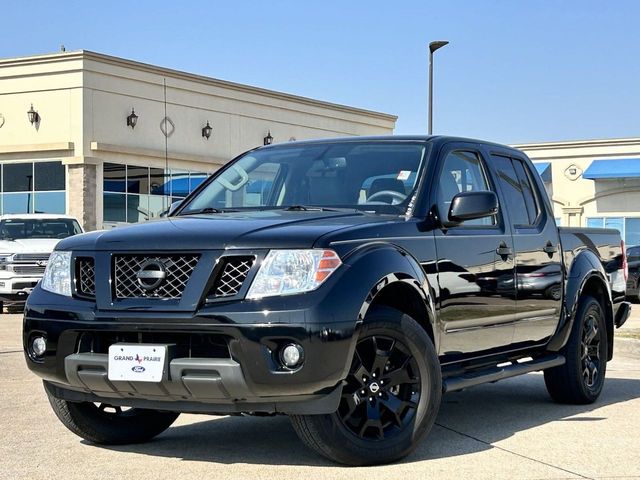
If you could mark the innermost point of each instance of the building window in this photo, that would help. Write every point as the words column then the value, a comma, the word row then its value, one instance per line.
column 629, row 227
column 33, row 187
column 136, row 193
column 595, row 222
column 632, row 231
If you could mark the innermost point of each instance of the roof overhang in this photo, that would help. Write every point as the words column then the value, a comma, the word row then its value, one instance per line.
column 544, row 170
column 613, row 168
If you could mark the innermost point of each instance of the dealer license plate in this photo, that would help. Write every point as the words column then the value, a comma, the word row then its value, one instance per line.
column 136, row 363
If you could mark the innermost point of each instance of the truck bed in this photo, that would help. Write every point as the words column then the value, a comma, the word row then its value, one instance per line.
column 605, row 243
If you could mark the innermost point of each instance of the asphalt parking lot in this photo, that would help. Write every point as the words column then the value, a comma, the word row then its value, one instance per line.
column 503, row 431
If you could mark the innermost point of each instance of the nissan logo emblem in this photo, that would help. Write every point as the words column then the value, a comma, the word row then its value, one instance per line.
column 151, row 274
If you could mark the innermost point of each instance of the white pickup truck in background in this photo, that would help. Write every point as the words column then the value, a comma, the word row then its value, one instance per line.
column 26, row 241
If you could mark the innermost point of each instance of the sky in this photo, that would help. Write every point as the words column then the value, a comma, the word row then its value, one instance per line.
column 514, row 71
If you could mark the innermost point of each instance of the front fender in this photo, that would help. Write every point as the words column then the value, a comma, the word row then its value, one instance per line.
column 377, row 266
column 585, row 268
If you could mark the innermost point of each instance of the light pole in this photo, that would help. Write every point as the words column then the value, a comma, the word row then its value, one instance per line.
column 433, row 46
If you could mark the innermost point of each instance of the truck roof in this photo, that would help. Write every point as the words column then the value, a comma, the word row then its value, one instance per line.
column 416, row 138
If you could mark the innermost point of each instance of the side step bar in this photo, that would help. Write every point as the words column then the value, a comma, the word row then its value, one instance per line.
column 487, row 375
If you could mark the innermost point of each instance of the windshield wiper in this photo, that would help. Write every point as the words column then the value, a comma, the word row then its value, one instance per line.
column 305, row 208
column 205, row 211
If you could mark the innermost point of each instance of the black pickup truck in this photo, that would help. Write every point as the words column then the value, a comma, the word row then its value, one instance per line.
column 347, row 283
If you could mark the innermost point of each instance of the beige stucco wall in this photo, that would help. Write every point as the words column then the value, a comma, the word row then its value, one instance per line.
column 83, row 99
column 575, row 198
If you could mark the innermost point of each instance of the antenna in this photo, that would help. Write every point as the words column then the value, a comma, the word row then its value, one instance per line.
column 166, row 137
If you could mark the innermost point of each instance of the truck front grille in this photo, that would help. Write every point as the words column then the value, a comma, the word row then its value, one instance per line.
column 142, row 276
column 28, row 269
column 234, row 273
column 31, row 257
column 86, row 277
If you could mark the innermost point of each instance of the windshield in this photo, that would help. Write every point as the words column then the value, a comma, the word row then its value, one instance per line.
column 378, row 177
column 19, row 228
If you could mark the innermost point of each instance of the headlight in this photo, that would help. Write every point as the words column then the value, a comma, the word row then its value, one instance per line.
column 285, row 272
column 5, row 258
column 57, row 275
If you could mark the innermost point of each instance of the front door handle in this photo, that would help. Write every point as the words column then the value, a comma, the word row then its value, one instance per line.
column 550, row 248
column 503, row 250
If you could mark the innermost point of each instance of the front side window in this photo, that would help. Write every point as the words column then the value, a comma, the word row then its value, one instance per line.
column 378, row 177
column 462, row 171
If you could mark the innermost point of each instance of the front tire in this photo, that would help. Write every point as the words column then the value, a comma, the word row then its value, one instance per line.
column 390, row 399
column 580, row 380
column 107, row 425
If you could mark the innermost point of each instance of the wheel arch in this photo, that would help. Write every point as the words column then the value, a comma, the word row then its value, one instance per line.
column 401, row 283
column 586, row 276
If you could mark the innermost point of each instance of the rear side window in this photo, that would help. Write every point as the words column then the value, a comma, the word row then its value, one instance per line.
column 527, row 190
column 517, row 190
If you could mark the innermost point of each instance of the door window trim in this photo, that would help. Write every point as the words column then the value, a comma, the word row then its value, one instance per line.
column 540, row 220
column 500, row 226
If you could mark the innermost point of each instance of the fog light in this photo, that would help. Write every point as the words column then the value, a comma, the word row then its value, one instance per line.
column 291, row 355
column 38, row 346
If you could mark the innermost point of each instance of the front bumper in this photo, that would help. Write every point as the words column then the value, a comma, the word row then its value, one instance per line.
column 17, row 289
column 224, row 357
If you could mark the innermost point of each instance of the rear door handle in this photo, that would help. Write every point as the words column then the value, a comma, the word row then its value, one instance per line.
column 503, row 250
column 550, row 248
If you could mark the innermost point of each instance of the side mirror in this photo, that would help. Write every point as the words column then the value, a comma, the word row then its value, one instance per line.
column 471, row 205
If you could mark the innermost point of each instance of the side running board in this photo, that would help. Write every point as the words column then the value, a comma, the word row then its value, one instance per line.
column 493, row 374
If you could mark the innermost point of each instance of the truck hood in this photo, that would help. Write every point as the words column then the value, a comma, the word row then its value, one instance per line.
column 253, row 229
column 28, row 245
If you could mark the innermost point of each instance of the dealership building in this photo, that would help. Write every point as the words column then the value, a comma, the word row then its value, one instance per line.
column 592, row 183
column 113, row 141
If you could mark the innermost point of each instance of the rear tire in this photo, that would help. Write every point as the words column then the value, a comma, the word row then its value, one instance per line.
column 580, row 380
column 390, row 399
column 107, row 425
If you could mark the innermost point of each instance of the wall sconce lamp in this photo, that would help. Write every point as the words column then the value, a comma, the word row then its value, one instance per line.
column 268, row 140
column 132, row 119
column 33, row 115
column 206, row 130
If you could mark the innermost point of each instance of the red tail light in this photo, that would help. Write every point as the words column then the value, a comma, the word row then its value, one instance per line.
column 625, row 265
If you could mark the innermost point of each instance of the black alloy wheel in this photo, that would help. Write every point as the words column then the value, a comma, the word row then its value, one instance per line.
column 383, row 389
column 591, row 338
column 390, row 396
column 581, row 379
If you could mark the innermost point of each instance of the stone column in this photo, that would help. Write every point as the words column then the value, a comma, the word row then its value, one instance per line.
column 81, row 194
column 572, row 216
